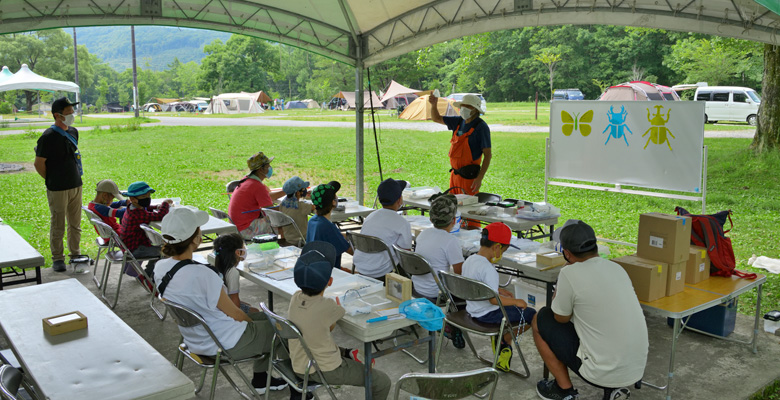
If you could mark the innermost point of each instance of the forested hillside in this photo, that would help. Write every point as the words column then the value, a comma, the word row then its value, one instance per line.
column 156, row 46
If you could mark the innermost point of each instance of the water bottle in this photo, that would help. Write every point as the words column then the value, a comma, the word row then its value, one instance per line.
column 456, row 227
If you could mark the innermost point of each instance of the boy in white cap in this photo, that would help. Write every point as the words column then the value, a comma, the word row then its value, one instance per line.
column 296, row 189
column 316, row 316
column 387, row 225
column 199, row 287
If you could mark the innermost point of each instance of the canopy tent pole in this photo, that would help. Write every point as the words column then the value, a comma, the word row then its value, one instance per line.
column 359, row 159
column 135, row 74
column 76, row 68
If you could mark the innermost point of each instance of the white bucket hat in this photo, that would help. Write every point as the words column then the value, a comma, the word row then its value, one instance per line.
column 181, row 222
column 471, row 100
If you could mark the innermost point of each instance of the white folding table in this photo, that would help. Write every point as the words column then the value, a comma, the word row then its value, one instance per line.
column 15, row 252
column 355, row 326
column 106, row 360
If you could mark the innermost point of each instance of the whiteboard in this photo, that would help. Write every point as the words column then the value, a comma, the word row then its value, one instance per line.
column 650, row 144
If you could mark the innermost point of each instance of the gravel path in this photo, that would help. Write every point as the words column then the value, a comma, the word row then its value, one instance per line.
column 278, row 121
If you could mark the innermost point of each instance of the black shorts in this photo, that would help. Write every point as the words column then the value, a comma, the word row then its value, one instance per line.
column 562, row 338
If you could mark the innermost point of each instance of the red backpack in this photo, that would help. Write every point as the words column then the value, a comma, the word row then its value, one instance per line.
column 707, row 231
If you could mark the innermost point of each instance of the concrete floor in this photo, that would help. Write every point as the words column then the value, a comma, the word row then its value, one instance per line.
column 705, row 368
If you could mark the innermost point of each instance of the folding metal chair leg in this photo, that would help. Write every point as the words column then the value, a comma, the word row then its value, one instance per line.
column 116, row 295
column 520, row 353
column 438, row 346
column 160, row 315
column 97, row 263
column 236, row 388
column 407, row 352
column 202, row 381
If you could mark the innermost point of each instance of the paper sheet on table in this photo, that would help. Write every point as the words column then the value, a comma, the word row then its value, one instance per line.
column 388, row 312
column 281, row 275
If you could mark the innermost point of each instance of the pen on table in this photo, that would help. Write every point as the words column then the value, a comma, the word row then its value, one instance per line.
column 385, row 318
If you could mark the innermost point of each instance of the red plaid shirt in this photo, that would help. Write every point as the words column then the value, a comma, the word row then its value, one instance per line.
column 132, row 234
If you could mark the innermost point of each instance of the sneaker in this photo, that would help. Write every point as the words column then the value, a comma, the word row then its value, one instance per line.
column 259, row 381
column 357, row 355
column 615, row 394
column 298, row 396
column 456, row 335
column 504, row 358
column 549, row 390
column 58, row 266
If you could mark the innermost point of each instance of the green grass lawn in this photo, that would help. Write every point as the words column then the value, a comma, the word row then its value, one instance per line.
column 87, row 121
column 195, row 164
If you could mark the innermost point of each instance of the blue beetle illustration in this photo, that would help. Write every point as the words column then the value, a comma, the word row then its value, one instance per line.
column 617, row 122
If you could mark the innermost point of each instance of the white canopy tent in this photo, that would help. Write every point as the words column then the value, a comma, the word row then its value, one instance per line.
column 5, row 74
column 363, row 33
column 25, row 79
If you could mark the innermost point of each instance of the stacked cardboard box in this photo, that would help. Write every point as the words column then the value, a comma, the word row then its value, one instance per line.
column 648, row 277
column 698, row 268
column 666, row 238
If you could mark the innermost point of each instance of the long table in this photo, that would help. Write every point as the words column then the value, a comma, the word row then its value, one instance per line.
column 528, row 228
column 355, row 326
column 106, row 360
column 694, row 298
column 15, row 252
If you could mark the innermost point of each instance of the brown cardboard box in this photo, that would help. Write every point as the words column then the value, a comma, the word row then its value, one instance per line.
column 698, row 268
column 551, row 259
column 64, row 323
column 647, row 276
column 664, row 237
column 675, row 280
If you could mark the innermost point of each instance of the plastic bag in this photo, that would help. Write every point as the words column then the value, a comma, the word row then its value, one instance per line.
column 426, row 314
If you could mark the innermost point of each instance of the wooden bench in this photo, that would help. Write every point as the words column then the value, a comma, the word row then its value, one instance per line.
column 16, row 257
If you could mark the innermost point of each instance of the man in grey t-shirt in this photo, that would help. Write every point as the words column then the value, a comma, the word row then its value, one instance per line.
column 595, row 325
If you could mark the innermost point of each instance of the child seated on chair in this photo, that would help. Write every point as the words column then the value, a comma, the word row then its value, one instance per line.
column 495, row 240
column 316, row 316
column 141, row 211
column 388, row 226
column 229, row 250
column 105, row 207
column 296, row 189
column 320, row 226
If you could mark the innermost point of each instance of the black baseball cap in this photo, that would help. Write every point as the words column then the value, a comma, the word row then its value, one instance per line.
column 576, row 236
column 60, row 104
column 315, row 265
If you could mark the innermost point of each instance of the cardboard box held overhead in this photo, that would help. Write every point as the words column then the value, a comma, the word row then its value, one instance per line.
column 698, row 268
column 664, row 237
column 675, row 280
column 648, row 277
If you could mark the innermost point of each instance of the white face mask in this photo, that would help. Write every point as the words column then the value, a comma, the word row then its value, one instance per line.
column 466, row 113
column 69, row 119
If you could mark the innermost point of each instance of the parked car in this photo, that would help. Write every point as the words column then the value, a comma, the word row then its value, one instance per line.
column 459, row 97
column 568, row 94
column 729, row 103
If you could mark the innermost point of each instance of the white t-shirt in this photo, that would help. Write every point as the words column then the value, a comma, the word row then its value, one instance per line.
column 479, row 268
column 198, row 287
column 606, row 314
column 232, row 281
column 393, row 229
column 441, row 249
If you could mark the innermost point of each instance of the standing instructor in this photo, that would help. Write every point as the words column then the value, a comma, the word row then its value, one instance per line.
column 469, row 143
column 58, row 161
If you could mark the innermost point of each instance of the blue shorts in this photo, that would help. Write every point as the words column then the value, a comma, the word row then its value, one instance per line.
column 514, row 313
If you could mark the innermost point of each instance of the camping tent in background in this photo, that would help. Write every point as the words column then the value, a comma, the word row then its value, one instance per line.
column 420, row 109
column 639, row 90
column 350, row 98
column 398, row 94
column 310, row 103
column 294, row 104
column 5, row 74
column 234, row 103
column 261, row 97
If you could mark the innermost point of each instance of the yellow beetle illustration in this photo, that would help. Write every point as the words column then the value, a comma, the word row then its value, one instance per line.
column 658, row 130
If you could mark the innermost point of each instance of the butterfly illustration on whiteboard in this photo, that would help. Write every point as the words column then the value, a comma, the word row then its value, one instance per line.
column 576, row 123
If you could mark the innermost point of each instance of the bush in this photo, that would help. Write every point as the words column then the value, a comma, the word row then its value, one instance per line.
column 6, row 108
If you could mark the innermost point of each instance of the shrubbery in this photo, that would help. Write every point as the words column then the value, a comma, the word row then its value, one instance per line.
column 6, row 108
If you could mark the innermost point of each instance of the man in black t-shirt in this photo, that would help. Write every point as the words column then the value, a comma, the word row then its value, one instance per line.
column 58, row 161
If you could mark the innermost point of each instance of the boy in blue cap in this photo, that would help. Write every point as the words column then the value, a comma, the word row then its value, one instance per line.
column 296, row 189
column 316, row 316
column 141, row 211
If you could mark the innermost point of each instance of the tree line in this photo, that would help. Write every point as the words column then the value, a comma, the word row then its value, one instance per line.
column 509, row 65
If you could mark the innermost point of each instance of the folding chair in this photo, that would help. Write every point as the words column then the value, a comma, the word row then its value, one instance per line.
column 369, row 244
column 285, row 330
column 220, row 214
column 125, row 259
column 484, row 197
column 231, row 187
column 188, row 318
column 473, row 290
column 278, row 219
column 11, row 379
column 154, row 237
column 103, row 244
column 414, row 264
column 455, row 385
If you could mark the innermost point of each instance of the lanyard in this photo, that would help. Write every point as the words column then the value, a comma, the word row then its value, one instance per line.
column 76, row 154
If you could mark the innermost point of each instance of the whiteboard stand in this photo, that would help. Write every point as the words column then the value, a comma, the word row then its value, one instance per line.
column 619, row 189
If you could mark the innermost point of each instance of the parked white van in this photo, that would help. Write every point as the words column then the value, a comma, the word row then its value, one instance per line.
column 729, row 103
